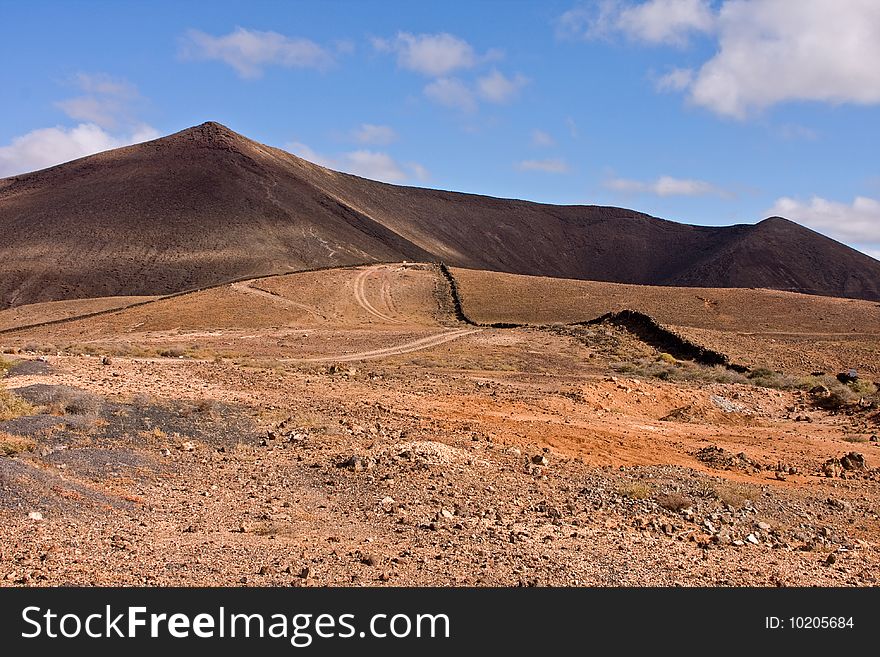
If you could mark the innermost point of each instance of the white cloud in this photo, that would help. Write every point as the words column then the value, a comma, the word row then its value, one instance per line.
column 106, row 101
column 47, row 147
column 677, row 79
column 105, row 85
column 665, row 186
column 773, row 51
column 435, row 55
column 553, row 165
column 857, row 222
column 572, row 127
column 369, row 133
column 654, row 22
column 250, row 51
column 498, row 88
column 451, row 92
column 375, row 165
column 542, row 139
column 666, row 21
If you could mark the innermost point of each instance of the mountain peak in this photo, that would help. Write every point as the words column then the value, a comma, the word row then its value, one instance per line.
column 211, row 134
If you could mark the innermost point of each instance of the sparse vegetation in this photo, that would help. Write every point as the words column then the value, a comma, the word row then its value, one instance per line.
column 667, row 368
column 635, row 490
column 673, row 501
column 13, row 406
column 5, row 365
column 173, row 351
column 10, row 444
column 678, row 370
column 863, row 388
column 73, row 402
column 733, row 494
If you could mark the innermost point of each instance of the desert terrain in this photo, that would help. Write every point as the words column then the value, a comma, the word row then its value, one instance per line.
column 398, row 424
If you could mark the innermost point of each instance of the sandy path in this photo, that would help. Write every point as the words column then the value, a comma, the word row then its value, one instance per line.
column 360, row 294
column 405, row 348
column 247, row 288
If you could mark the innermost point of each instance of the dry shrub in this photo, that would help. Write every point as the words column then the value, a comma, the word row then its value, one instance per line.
column 12, row 406
column 735, row 495
column 173, row 351
column 74, row 402
column 10, row 444
column 635, row 490
column 673, row 501
column 141, row 400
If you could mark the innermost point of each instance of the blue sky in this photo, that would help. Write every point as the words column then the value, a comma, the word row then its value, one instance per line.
column 708, row 112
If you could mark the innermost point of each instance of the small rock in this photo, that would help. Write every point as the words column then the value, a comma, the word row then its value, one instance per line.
column 540, row 459
column 751, row 538
column 850, row 376
column 35, row 515
column 764, row 526
column 356, row 463
column 187, row 446
column 165, row 452
column 106, row 360
column 831, row 559
column 853, row 461
column 388, row 504
column 305, row 572
column 369, row 560
column 446, row 513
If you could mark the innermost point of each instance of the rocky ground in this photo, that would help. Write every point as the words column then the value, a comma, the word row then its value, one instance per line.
column 323, row 477
column 344, row 429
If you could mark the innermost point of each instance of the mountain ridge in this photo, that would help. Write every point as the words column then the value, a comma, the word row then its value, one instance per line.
column 206, row 204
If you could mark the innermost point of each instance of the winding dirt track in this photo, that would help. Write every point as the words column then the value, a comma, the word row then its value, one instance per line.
column 247, row 288
column 405, row 348
column 360, row 294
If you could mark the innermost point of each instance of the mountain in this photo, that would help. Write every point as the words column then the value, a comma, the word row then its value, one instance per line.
column 207, row 205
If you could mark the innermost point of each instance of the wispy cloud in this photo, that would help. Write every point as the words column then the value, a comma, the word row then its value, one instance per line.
column 369, row 133
column 434, row 55
column 105, row 101
column 857, row 222
column 670, row 22
column 498, row 88
column 447, row 59
column 451, row 92
column 106, row 116
column 542, row 139
column 375, row 165
column 552, row 165
column 249, row 52
column 666, row 186
column 47, row 147
column 767, row 51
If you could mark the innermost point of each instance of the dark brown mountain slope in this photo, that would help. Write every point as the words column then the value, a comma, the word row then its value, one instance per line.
column 207, row 205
